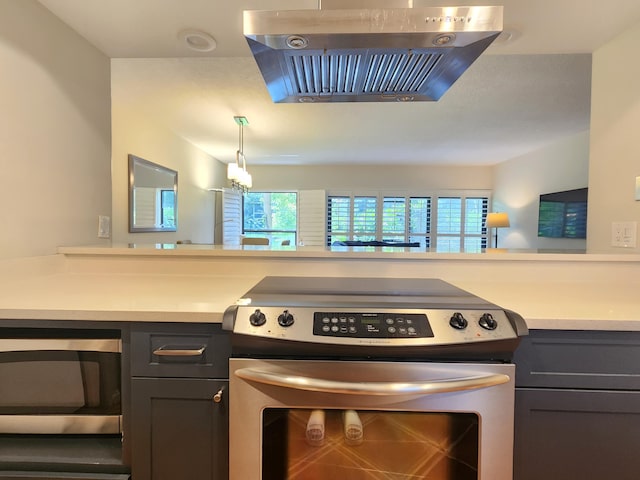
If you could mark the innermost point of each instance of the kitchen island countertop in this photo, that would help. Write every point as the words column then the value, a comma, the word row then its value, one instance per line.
column 569, row 292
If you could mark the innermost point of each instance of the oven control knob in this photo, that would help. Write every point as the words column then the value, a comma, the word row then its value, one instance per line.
column 257, row 318
column 458, row 322
column 488, row 322
column 285, row 319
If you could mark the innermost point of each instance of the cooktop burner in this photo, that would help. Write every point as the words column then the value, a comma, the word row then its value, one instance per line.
column 380, row 317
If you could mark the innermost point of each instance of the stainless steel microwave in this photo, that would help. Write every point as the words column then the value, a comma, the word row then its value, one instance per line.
column 60, row 382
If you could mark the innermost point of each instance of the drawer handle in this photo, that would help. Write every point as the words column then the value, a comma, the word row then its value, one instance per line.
column 166, row 351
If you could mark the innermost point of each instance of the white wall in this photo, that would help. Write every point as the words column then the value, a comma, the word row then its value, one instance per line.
column 141, row 134
column 519, row 182
column 55, row 149
column 387, row 177
column 615, row 130
column 54, row 133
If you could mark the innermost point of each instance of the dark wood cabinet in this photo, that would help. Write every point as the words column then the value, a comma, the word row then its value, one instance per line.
column 179, row 402
column 573, row 434
column 577, row 406
column 179, row 430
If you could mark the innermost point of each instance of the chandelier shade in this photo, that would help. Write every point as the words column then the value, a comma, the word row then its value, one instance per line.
column 237, row 172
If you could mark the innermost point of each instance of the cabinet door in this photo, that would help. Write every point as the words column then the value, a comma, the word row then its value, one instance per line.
column 576, row 435
column 178, row 431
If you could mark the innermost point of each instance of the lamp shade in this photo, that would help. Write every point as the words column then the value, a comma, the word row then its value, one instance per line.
column 497, row 219
column 233, row 171
column 237, row 172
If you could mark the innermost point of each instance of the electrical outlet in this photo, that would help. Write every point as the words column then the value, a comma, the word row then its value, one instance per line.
column 104, row 226
column 623, row 234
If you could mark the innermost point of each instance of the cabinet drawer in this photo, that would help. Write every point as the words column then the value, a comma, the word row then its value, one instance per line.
column 576, row 434
column 180, row 350
column 579, row 359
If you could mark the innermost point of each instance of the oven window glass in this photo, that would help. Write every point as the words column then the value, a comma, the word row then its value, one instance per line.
column 303, row 444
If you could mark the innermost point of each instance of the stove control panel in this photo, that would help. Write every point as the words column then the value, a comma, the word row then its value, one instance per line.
column 349, row 326
column 371, row 325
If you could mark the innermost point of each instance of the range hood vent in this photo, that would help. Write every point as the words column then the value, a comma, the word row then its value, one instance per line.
column 401, row 54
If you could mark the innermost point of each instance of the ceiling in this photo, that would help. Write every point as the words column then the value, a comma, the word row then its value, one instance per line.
column 522, row 94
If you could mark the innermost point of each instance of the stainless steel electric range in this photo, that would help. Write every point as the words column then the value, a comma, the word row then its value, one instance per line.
column 370, row 378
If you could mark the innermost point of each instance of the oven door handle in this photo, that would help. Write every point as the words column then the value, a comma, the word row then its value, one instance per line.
column 371, row 388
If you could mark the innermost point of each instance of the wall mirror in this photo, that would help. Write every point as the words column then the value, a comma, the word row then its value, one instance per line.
column 153, row 197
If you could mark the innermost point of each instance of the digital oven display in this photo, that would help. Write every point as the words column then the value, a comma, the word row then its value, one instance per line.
column 370, row 321
column 371, row 325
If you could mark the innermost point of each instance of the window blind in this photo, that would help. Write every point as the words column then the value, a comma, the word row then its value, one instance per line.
column 311, row 217
column 231, row 216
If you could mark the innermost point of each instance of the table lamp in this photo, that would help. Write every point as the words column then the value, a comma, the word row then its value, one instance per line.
column 497, row 220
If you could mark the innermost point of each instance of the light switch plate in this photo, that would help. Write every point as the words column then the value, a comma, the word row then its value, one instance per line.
column 623, row 234
column 104, row 226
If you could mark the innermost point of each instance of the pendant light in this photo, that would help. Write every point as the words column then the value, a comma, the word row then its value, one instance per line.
column 237, row 172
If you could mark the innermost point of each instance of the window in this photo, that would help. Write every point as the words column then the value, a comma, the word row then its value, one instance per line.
column 364, row 218
column 338, row 219
column 460, row 224
column 167, row 209
column 456, row 225
column 394, row 218
column 475, row 232
column 420, row 220
column 272, row 215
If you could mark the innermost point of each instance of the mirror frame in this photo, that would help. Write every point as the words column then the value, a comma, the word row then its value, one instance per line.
column 137, row 162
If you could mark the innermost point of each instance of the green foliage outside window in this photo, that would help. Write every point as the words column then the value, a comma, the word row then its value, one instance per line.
column 270, row 214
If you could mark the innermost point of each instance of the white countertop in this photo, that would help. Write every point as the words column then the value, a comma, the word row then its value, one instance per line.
column 408, row 254
column 122, row 297
column 85, row 283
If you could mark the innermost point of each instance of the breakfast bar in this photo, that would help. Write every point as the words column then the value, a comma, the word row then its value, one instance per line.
column 196, row 283
column 579, row 362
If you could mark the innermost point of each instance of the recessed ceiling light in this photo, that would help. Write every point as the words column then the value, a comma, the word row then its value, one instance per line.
column 197, row 40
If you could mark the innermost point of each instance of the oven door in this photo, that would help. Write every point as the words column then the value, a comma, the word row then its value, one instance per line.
column 306, row 419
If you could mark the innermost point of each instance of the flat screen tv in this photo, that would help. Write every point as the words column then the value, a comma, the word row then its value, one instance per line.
column 563, row 214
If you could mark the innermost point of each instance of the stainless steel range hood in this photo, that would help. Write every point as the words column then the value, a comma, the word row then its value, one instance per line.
column 379, row 55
